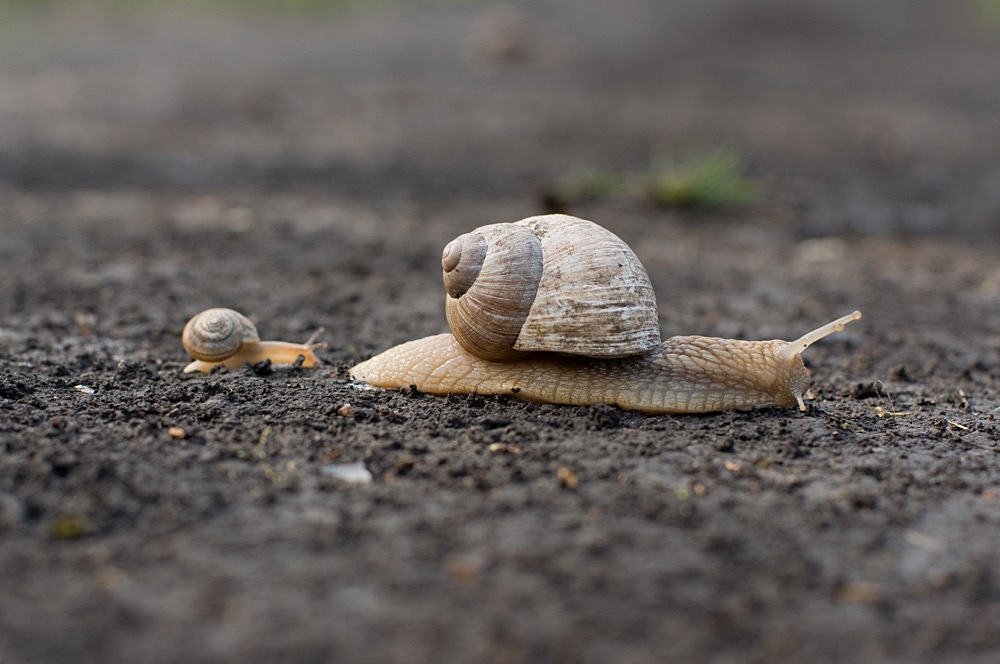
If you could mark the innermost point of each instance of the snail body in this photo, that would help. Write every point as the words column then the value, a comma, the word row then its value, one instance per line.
column 685, row 374
column 564, row 313
column 226, row 337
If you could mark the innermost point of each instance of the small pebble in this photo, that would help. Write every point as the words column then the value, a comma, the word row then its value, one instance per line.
column 351, row 473
column 567, row 478
column 346, row 410
column 177, row 433
column 860, row 592
column 463, row 571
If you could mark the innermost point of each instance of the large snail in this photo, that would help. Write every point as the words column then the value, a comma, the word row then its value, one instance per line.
column 225, row 337
column 557, row 309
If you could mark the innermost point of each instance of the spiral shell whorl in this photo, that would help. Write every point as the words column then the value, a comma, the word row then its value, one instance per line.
column 462, row 261
column 548, row 283
column 215, row 334
column 491, row 288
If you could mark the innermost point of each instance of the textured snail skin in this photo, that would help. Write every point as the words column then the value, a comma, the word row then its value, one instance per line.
column 279, row 352
column 688, row 374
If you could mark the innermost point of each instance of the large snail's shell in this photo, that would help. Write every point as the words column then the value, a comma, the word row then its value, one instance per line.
column 215, row 334
column 548, row 283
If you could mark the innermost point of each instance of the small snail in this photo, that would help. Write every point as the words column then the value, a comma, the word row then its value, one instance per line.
column 559, row 310
column 227, row 337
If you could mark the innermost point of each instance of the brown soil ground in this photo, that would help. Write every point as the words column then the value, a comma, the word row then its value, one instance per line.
column 308, row 170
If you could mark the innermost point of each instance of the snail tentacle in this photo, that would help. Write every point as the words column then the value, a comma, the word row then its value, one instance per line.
column 793, row 348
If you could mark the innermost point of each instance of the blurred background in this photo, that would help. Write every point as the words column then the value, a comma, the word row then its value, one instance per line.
column 853, row 116
column 346, row 141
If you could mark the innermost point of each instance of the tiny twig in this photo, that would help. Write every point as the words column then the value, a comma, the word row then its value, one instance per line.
column 964, row 441
column 882, row 412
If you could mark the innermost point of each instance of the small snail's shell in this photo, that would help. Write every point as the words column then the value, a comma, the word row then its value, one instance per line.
column 548, row 283
column 215, row 334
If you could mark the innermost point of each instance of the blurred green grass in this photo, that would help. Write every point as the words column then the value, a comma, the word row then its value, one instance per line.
column 715, row 180
column 989, row 10
column 709, row 181
column 42, row 7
